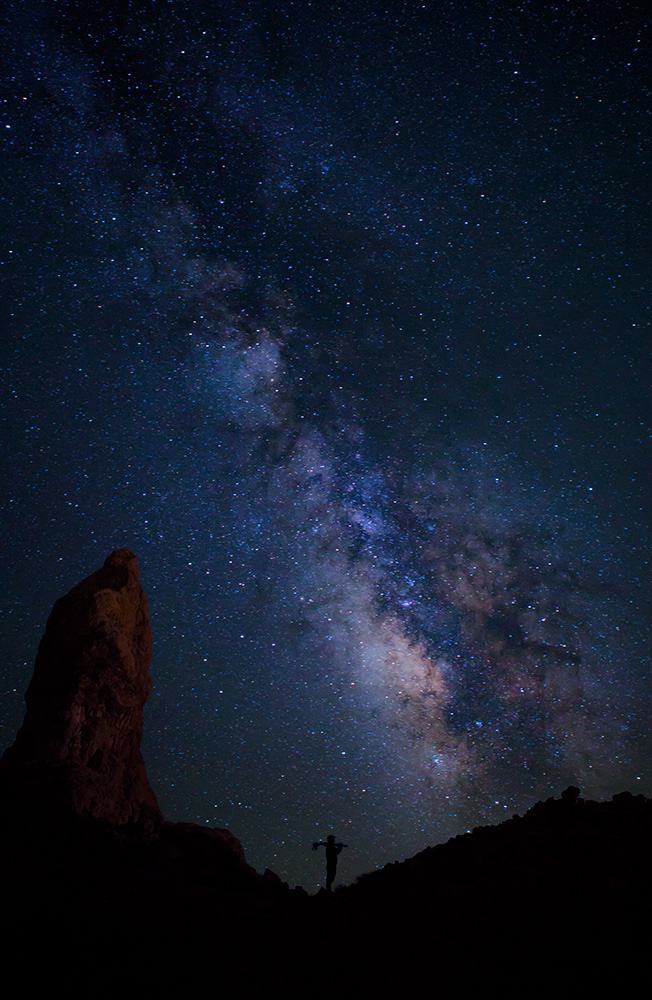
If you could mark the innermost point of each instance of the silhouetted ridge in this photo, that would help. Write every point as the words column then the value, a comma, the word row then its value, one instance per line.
column 104, row 898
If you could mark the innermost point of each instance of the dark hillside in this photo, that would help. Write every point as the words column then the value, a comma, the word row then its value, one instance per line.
column 95, row 905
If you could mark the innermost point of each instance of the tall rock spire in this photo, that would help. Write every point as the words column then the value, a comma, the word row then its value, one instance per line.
column 79, row 745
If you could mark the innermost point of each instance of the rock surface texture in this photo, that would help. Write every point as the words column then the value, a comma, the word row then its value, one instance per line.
column 79, row 745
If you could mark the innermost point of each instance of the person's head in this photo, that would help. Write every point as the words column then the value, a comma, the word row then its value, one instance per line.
column 330, row 838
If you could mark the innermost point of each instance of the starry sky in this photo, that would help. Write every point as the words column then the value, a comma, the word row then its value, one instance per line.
column 337, row 315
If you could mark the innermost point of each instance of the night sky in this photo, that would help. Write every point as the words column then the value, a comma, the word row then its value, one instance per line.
column 337, row 314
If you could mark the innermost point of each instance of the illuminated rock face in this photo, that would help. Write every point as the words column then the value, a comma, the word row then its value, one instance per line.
column 79, row 745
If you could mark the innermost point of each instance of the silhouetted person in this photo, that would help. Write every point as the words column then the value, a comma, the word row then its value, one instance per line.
column 332, row 850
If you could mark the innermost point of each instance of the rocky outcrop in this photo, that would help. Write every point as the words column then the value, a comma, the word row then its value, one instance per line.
column 78, row 749
column 100, row 894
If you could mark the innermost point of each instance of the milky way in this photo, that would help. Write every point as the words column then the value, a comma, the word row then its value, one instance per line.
column 338, row 321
